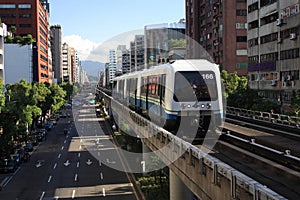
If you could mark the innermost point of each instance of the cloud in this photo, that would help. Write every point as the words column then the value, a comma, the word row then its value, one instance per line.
column 83, row 46
column 92, row 51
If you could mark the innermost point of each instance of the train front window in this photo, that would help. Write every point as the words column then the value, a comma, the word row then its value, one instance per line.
column 195, row 86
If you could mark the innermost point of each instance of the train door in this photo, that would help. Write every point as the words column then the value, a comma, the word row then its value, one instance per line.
column 162, row 86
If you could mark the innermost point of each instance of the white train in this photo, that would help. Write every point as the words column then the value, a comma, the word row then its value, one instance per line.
column 185, row 91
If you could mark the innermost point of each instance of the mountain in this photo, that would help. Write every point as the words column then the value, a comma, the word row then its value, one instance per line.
column 92, row 68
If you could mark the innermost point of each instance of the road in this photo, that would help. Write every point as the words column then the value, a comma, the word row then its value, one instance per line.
column 75, row 166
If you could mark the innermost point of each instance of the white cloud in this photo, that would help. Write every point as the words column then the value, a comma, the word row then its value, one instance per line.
column 83, row 46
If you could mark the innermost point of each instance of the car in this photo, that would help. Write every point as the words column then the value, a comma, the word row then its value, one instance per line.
column 16, row 157
column 28, row 147
column 21, row 153
column 49, row 126
column 8, row 165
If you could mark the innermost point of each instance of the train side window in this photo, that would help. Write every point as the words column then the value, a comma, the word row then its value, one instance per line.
column 163, row 87
column 144, row 86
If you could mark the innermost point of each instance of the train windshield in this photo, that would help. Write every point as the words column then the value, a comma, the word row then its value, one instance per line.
column 195, row 86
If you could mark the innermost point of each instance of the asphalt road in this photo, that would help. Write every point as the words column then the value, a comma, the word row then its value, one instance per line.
column 79, row 165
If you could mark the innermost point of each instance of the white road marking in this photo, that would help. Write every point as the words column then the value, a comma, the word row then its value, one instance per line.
column 77, row 164
column 49, row 179
column 76, row 177
column 65, row 141
column 73, row 194
column 78, row 155
column 103, row 191
column 62, row 148
column 42, row 196
column 54, row 165
column 101, row 176
column 100, row 163
column 98, row 153
column 59, row 155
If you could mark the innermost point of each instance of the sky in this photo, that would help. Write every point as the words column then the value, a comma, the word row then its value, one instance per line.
column 88, row 25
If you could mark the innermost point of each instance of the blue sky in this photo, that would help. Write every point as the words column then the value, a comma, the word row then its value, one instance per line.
column 95, row 21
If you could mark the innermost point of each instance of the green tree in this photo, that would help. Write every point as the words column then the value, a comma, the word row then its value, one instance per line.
column 69, row 89
column 230, row 82
column 173, row 44
column 295, row 102
column 2, row 95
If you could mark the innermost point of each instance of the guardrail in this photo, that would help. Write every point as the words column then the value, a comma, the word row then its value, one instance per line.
column 265, row 116
column 196, row 157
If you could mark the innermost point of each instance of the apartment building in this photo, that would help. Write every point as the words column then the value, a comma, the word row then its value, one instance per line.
column 112, row 66
column 157, row 37
column 31, row 17
column 3, row 34
column 66, row 64
column 273, row 48
column 56, row 50
column 137, row 53
column 217, row 31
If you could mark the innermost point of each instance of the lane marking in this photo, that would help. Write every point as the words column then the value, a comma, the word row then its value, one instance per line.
column 62, row 148
column 59, row 155
column 98, row 153
column 54, row 165
column 73, row 194
column 100, row 163
column 77, row 164
column 65, row 141
column 76, row 177
column 49, row 179
column 101, row 176
column 78, row 155
column 103, row 191
column 42, row 196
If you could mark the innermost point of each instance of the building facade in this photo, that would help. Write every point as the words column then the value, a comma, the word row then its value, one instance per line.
column 217, row 31
column 3, row 34
column 137, row 53
column 66, row 64
column 273, row 48
column 56, row 49
column 112, row 66
column 125, row 61
column 31, row 17
column 157, row 37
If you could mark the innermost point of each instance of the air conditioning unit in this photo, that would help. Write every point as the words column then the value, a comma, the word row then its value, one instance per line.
column 293, row 36
column 288, row 77
column 273, row 83
column 279, row 22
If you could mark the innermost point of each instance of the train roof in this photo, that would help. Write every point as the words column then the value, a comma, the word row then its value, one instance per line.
column 178, row 65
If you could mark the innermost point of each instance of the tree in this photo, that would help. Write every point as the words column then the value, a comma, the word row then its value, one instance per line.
column 69, row 89
column 230, row 82
column 2, row 95
column 295, row 102
column 173, row 44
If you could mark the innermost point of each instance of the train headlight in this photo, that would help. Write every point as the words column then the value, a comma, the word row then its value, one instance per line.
column 202, row 106
column 208, row 105
column 189, row 106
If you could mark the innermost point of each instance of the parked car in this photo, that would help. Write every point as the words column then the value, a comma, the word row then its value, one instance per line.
column 21, row 153
column 49, row 126
column 16, row 157
column 28, row 147
column 8, row 165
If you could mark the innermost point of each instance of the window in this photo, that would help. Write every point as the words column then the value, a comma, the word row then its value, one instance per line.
column 266, row 2
column 242, row 12
column 241, row 39
column 253, row 42
column 25, row 15
column 24, row 6
column 253, row 24
column 253, row 7
column 241, row 65
column 268, row 38
column 24, row 25
column 241, row 26
column 269, row 19
column 7, row 6
column 289, row 54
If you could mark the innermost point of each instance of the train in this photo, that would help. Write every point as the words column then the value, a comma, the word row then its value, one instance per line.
column 182, row 93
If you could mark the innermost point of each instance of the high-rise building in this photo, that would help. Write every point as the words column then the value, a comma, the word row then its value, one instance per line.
column 217, row 30
column 3, row 34
column 66, row 64
column 137, row 53
column 56, row 50
column 125, row 61
column 112, row 66
column 157, row 37
column 273, row 48
column 31, row 17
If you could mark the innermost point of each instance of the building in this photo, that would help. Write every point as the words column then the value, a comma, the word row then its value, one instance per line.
column 125, row 61
column 217, row 30
column 3, row 34
column 137, row 53
column 157, row 37
column 119, row 51
column 73, row 55
column 273, row 48
column 18, row 63
column 66, row 64
column 56, row 49
column 112, row 66
column 31, row 17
